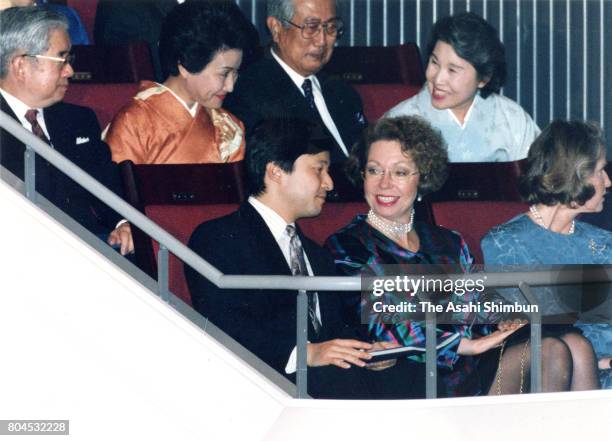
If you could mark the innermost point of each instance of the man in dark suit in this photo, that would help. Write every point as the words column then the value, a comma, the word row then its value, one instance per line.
column 288, row 179
column 34, row 72
column 288, row 81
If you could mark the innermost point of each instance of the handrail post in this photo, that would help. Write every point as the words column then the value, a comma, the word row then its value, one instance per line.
column 536, row 339
column 431, row 373
column 162, row 273
column 29, row 173
column 302, row 340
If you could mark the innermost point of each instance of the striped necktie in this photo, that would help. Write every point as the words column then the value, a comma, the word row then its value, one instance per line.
column 298, row 268
column 307, row 88
column 30, row 117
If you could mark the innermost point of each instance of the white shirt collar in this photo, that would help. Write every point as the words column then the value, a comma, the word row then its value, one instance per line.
column 295, row 77
column 19, row 107
column 192, row 110
column 273, row 220
column 468, row 113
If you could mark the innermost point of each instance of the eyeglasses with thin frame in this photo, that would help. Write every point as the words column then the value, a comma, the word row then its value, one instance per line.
column 68, row 59
column 396, row 174
column 333, row 27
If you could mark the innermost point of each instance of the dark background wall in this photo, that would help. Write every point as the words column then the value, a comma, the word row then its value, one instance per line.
column 559, row 52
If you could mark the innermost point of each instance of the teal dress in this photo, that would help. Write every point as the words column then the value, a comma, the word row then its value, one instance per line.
column 520, row 241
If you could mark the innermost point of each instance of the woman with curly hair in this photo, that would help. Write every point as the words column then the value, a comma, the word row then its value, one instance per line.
column 397, row 160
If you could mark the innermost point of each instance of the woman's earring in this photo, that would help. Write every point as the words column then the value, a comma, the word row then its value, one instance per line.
column 419, row 198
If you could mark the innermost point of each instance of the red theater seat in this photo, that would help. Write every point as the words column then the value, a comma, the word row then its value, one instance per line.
column 128, row 63
column 481, row 181
column 375, row 64
column 87, row 12
column 104, row 99
column 334, row 216
column 378, row 98
column 473, row 219
column 178, row 198
column 181, row 221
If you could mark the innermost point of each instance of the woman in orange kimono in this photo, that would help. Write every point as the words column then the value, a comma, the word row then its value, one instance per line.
column 181, row 121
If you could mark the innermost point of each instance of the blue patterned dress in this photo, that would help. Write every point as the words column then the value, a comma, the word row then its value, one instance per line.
column 522, row 242
column 360, row 249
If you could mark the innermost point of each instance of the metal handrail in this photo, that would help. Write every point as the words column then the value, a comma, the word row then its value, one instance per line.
column 301, row 284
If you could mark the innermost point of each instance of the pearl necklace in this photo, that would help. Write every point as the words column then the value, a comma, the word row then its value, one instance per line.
column 540, row 221
column 389, row 227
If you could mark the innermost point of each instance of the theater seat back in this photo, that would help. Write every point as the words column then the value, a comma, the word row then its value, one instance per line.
column 181, row 221
column 104, row 99
column 179, row 197
column 473, row 219
column 334, row 216
column 378, row 98
column 87, row 12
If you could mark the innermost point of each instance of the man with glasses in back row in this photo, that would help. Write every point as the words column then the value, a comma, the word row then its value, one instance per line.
column 288, row 81
column 35, row 65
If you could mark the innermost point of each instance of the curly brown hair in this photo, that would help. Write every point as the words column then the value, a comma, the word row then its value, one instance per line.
column 417, row 138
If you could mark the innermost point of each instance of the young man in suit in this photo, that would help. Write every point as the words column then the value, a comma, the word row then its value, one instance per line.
column 288, row 81
column 34, row 72
column 288, row 179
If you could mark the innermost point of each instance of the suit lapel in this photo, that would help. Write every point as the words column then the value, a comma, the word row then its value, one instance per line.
column 293, row 99
column 57, row 127
column 269, row 258
column 11, row 149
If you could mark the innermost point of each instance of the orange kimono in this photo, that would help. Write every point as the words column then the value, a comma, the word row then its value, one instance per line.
column 156, row 128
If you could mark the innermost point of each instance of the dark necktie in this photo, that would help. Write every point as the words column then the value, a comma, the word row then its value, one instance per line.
column 307, row 88
column 30, row 117
column 298, row 268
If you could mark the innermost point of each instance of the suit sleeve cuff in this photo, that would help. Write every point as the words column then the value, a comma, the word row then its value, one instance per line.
column 121, row 222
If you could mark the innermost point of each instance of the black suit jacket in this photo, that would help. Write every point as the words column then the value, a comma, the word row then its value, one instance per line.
column 67, row 123
column 264, row 90
column 262, row 321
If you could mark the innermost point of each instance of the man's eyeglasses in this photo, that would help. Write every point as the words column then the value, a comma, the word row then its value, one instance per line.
column 68, row 59
column 333, row 27
column 397, row 174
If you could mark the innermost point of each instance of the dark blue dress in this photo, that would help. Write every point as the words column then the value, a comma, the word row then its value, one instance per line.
column 360, row 249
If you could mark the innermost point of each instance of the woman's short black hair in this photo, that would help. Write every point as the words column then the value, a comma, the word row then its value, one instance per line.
column 560, row 161
column 417, row 138
column 476, row 41
column 280, row 141
column 195, row 31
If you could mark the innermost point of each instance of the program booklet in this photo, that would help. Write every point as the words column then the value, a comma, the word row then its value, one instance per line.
column 405, row 351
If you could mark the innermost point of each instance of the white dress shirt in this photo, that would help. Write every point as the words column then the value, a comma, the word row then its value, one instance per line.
column 278, row 228
column 318, row 98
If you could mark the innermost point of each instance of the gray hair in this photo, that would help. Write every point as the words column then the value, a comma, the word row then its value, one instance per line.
column 281, row 10
column 284, row 10
column 26, row 31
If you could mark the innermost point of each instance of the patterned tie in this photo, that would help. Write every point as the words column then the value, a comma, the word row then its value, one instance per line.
column 298, row 268
column 307, row 88
column 30, row 116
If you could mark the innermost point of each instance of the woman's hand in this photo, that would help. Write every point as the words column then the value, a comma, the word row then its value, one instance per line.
column 605, row 363
column 493, row 340
column 385, row 364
